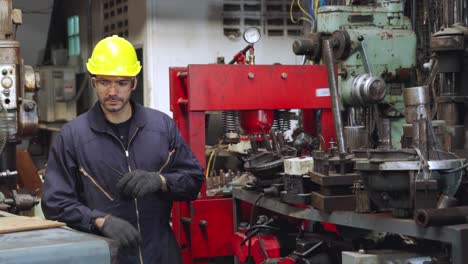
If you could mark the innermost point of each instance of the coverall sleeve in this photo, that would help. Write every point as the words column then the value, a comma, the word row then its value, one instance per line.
column 184, row 174
column 60, row 197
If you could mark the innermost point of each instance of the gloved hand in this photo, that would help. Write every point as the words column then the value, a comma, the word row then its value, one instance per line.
column 127, row 237
column 138, row 183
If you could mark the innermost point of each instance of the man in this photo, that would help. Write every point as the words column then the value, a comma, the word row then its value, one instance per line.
column 116, row 169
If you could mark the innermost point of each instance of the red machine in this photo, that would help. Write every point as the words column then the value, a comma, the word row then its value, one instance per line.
column 204, row 228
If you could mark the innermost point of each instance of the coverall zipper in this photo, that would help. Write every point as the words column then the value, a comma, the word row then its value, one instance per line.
column 129, row 170
column 96, row 184
column 167, row 161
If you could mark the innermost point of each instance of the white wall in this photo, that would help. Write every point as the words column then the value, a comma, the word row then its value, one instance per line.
column 181, row 32
column 32, row 35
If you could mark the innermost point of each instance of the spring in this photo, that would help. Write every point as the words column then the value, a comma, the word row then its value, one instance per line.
column 230, row 122
column 282, row 121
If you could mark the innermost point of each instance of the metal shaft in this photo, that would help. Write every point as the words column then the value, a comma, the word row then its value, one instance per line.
column 440, row 217
column 328, row 58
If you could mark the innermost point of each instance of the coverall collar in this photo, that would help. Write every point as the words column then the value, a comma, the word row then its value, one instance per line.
column 98, row 121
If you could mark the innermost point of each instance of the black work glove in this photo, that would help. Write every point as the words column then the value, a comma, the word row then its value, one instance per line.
column 138, row 183
column 125, row 234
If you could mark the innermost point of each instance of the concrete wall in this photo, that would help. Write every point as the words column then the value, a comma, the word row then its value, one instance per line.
column 181, row 32
column 33, row 33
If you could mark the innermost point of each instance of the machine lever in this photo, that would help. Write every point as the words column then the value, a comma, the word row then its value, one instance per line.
column 328, row 58
column 365, row 59
column 185, row 220
column 203, row 223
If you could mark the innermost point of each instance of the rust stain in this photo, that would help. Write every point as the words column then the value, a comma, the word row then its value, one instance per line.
column 386, row 35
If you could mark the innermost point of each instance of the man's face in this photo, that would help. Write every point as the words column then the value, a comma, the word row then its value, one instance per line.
column 114, row 92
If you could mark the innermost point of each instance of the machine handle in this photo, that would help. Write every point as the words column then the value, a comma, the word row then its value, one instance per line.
column 203, row 223
column 185, row 220
column 365, row 59
column 328, row 58
column 182, row 101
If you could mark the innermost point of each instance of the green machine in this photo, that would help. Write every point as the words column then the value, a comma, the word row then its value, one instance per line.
column 375, row 50
column 388, row 146
column 383, row 120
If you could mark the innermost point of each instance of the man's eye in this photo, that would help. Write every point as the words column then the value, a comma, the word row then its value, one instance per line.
column 124, row 83
column 104, row 82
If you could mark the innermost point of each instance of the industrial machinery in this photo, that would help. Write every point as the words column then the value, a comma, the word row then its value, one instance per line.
column 204, row 228
column 373, row 71
column 57, row 98
column 392, row 151
column 21, row 242
column 18, row 110
column 373, row 91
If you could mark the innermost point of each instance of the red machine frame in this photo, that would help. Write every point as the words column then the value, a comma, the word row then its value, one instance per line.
column 204, row 227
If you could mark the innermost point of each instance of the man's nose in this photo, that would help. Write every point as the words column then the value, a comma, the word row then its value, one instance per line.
column 112, row 90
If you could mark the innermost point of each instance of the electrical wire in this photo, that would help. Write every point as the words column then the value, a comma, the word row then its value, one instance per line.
column 212, row 170
column 300, row 18
column 303, row 10
column 266, row 226
column 212, row 159
column 253, row 208
column 262, row 247
column 207, row 173
column 317, row 4
column 251, row 222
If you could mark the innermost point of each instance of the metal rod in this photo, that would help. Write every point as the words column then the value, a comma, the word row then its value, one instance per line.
column 413, row 15
column 274, row 140
column 328, row 58
column 365, row 58
column 459, row 11
column 465, row 12
column 440, row 217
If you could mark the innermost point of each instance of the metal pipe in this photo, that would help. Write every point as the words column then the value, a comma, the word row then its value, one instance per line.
column 413, row 15
column 243, row 51
column 459, row 18
column 89, row 27
column 328, row 58
column 440, row 217
column 465, row 12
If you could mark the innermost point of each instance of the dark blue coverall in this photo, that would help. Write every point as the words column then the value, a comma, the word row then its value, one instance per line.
column 86, row 160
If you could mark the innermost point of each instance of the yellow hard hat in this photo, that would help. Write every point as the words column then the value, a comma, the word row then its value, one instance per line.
column 114, row 56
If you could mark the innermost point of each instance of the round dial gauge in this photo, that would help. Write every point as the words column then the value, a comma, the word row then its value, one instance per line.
column 7, row 82
column 252, row 35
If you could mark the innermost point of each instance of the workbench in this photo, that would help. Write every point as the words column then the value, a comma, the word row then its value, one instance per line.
column 456, row 235
column 55, row 246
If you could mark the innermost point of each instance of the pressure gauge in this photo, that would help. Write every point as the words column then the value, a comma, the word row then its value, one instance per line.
column 252, row 35
column 7, row 82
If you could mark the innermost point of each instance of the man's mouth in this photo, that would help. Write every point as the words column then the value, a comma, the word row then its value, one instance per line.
column 113, row 100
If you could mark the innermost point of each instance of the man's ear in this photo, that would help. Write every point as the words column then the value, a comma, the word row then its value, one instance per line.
column 135, row 82
column 92, row 81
